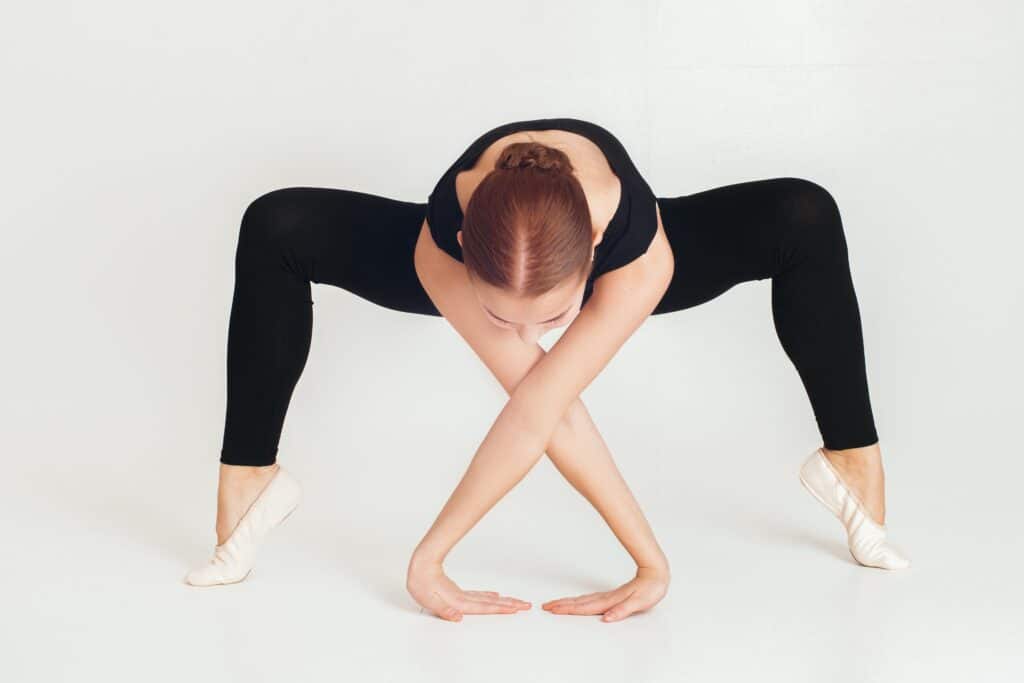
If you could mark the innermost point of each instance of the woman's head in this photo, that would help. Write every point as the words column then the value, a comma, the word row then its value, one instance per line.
column 528, row 240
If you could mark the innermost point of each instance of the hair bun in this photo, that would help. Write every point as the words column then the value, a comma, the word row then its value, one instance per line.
column 522, row 155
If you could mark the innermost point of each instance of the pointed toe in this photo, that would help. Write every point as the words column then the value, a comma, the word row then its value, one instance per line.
column 883, row 556
column 206, row 575
column 893, row 559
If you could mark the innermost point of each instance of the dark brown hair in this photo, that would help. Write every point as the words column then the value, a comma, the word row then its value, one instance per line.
column 527, row 226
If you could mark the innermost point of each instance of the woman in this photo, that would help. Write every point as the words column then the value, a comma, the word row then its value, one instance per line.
column 541, row 224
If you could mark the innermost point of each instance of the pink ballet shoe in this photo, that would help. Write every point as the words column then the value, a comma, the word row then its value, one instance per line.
column 866, row 538
column 233, row 560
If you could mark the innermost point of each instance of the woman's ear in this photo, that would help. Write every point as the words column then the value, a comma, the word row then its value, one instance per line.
column 458, row 236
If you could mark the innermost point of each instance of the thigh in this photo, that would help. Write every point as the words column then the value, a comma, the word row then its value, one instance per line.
column 724, row 236
column 361, row 242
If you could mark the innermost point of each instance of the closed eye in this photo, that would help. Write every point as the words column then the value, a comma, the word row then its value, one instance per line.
column 551, row 320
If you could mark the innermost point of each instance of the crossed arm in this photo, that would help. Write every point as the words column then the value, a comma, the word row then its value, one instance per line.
column 544, row 413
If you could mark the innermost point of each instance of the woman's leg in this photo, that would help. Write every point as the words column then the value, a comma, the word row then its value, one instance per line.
column 289, row 238
column 789, row 230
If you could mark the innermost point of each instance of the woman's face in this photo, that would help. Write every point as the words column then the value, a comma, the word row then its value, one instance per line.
column 531, row 318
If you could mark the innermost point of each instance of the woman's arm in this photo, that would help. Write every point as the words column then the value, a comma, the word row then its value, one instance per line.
column 585, row 461
column 622, row 300
column 576, row 448
column 526, row 423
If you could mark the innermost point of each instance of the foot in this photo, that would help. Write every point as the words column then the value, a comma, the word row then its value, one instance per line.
column 861, row 471
column 238, row 487
column 243, row 524
column 866, row 537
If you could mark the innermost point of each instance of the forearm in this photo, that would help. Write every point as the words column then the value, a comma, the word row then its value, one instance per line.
column 528, row 423
column 583, row 458
column 580, row 454
column 508, row 452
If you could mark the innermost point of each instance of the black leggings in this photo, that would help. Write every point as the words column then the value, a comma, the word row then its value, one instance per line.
column 786, row 229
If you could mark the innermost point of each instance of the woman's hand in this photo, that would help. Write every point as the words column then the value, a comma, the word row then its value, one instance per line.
column 432, row 589
column 643, row 592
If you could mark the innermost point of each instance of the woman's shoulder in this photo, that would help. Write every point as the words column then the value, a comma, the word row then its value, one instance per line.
column 648, row 272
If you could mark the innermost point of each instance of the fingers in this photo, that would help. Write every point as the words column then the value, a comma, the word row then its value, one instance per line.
column 473, row 602
column 552, row 603
column 595, row 603
column 489, row 602
column 441, row 608
column 630, row 605
column 478, row 607
column 588, row 607
column 612, row 605
column 494, row 596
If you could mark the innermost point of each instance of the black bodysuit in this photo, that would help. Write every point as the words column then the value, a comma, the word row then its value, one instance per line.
column 629, row 232
column 786, row 229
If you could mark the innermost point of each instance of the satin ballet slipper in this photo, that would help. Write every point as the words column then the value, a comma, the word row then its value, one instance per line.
column 233, row 560
column 865, row 537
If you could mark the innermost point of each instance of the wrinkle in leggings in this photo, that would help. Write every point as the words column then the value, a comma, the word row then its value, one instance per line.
column 785, row 229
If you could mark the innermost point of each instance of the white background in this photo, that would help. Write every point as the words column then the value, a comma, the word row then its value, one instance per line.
column 133, row 136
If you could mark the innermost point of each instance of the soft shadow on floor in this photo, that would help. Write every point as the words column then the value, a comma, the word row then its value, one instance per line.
column 755, row 524
column 373, row 560
column 137, row 506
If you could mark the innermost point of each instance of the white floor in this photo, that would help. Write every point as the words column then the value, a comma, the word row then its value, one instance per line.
column 763, row 589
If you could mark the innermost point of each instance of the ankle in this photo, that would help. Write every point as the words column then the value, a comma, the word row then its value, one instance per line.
column 863, row 460
column 246, row 475
column 861, row 470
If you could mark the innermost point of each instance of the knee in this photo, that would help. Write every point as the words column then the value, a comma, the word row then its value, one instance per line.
column 811, row 215
column 272, row 217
